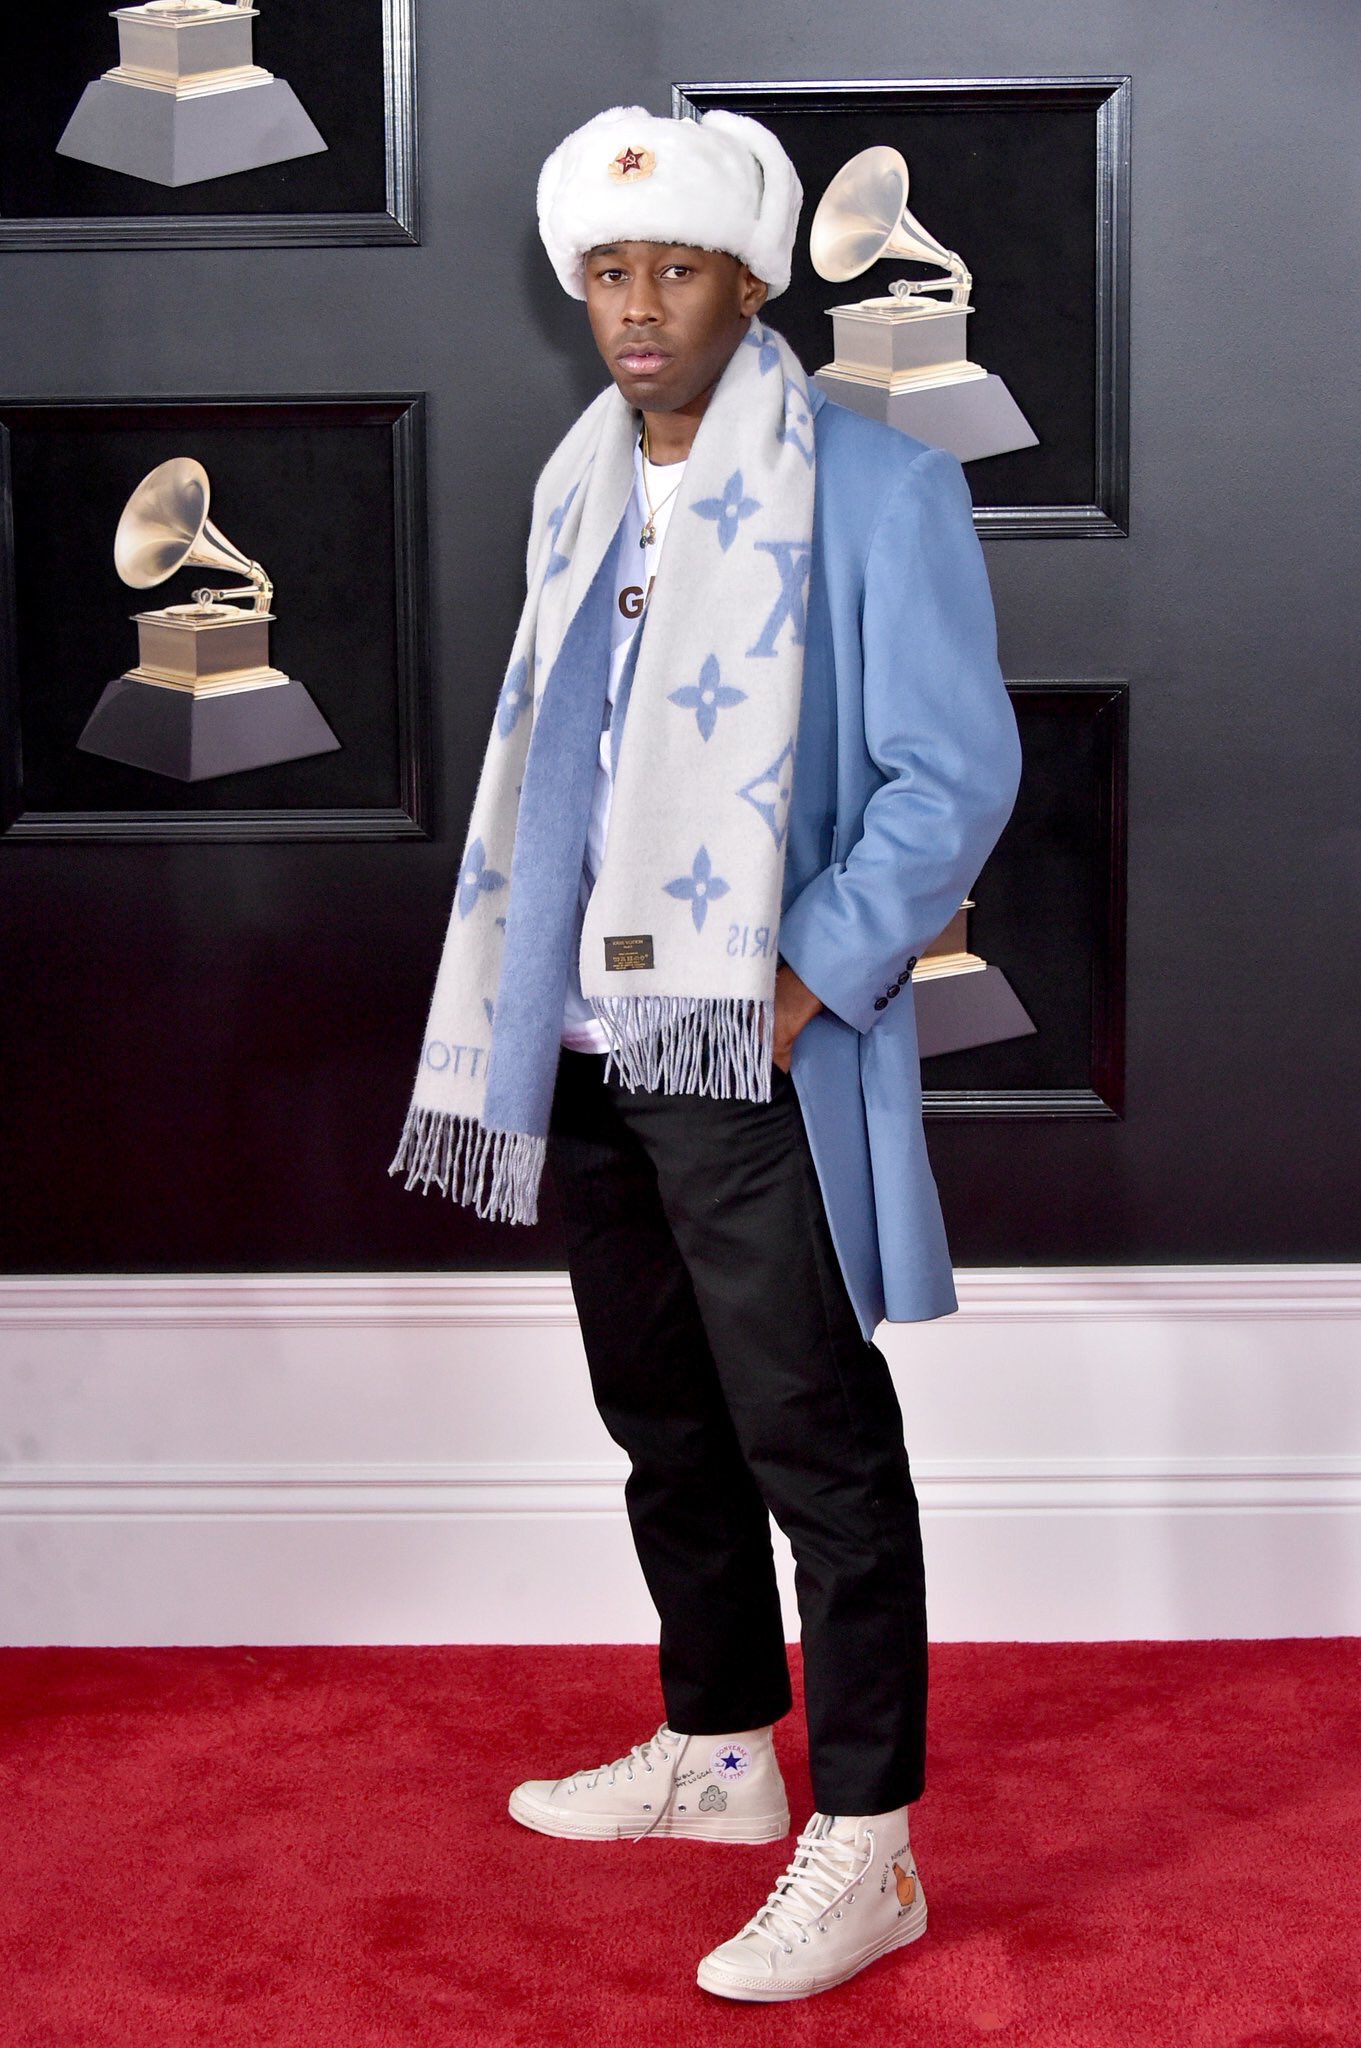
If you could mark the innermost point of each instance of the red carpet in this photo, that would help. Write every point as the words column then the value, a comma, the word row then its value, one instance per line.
column 1122, row 1844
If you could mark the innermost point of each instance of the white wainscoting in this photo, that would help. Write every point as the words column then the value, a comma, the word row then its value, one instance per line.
column 392, row 1458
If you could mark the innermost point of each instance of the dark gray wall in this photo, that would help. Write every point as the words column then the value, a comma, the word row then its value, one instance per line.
column 209, row 1049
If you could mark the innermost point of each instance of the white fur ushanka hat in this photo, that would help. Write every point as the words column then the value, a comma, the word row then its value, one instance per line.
column 721, row 182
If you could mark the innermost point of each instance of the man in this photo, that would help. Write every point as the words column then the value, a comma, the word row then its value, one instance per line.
column 752, row 749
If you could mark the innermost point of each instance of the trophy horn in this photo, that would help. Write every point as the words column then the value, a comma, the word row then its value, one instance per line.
column 864, row 215
column 165, row 527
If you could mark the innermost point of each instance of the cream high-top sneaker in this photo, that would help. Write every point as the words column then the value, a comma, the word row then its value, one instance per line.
column 850, row 1894
column 716, row 1788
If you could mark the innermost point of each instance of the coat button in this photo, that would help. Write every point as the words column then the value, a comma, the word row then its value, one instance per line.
column 881, row 1002
column 910, row 965
column 894, row 990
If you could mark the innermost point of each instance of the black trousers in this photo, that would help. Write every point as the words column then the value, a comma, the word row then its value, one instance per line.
column 727, row 1361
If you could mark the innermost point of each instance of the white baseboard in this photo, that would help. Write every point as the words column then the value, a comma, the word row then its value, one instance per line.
column 1099, row 1453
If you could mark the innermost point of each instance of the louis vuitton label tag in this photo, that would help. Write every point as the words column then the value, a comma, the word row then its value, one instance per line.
column 624, row 953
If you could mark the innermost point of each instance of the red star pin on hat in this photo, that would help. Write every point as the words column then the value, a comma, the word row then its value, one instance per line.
column 633, row 163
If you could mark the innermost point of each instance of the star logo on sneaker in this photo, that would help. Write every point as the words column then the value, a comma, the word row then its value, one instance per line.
column 730, row 1760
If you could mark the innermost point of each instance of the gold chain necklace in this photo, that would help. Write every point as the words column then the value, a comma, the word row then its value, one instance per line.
column 649, row 532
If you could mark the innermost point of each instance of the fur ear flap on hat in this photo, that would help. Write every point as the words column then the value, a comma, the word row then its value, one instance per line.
column 721, row 182
column 771, row 250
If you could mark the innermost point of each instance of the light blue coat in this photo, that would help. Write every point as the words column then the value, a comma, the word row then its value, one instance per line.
column 906, row 770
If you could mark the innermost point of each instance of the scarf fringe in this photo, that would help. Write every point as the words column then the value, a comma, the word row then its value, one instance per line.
column 690, row 1045
column 458, row 1153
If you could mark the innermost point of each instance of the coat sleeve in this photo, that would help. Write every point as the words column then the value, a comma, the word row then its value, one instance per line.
column 940, row 728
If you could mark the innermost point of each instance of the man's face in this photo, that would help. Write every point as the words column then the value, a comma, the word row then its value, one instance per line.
column 666, row 318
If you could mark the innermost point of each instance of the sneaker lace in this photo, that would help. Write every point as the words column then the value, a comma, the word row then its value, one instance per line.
column 822, row 1872
column 653, row 1753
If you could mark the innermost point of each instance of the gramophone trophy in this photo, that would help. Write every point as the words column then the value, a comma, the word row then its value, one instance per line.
column 186, row 99
column 904, row 358
column 961, row 1000
column 203, row 699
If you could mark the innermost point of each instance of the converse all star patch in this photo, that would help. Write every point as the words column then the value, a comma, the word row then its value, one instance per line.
column 730, row 1760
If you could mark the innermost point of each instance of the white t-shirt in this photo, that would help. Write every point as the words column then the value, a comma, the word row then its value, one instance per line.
column 635, row 569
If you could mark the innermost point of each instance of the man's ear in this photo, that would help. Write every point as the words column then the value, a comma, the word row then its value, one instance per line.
column 753, row 292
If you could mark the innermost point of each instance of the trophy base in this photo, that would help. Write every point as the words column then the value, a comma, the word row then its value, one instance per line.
column 958, row 1011
column 173, row 732
column 932, row 966
column 883, row 340
column 181, row 141
column 972, row 419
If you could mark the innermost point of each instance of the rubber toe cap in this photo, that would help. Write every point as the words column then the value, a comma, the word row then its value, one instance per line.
column 742, row 1964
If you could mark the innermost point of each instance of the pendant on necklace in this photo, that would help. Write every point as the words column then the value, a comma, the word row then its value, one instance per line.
column 647, row 536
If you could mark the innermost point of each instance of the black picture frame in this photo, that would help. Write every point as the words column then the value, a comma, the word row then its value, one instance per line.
column 1051, row 314
column 384, row 150
column 343, row 516
column 1051, row 913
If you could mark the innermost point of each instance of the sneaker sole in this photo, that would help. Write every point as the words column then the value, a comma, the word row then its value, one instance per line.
column 770, row 1993
column 684, row 1826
